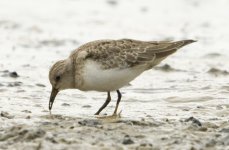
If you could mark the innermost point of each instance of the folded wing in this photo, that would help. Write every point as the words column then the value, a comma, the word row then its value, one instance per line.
column 130, row 53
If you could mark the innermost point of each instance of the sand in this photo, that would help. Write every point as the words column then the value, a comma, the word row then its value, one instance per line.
column 181, row 104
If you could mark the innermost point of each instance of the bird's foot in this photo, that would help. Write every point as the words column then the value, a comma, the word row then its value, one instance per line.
column 117, row 115
column 96, row 113
column 113, row 116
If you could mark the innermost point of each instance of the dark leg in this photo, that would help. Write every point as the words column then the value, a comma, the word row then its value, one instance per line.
column 118, row 101
column 105, row 104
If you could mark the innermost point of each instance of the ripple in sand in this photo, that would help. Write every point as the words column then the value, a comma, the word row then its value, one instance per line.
column 212, row 55
column 6, row 115
column 217, row 72
column 166, row 68
column 188, row 99
column 21, row 133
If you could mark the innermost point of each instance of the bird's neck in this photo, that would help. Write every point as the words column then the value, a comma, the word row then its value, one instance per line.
column 77, row 70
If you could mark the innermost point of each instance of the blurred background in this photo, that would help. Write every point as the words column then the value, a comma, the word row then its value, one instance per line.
column 38, row 24
column 63, row 25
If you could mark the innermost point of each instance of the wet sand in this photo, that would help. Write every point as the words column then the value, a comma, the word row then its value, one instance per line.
column 180, row 104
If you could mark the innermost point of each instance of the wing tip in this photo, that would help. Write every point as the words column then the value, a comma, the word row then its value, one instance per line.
column 189, row 41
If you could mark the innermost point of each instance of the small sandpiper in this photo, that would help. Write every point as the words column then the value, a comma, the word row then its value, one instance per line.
column 108, row 65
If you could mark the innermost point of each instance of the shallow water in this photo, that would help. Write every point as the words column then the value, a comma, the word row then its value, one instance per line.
column 156, row 107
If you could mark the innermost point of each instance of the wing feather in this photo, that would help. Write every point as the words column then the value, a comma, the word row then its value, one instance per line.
column 129, row 53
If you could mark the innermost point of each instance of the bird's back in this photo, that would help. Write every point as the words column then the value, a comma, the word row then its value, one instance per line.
column 127, row 53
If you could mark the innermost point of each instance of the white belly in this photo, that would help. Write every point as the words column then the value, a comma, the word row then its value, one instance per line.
column 107, row 80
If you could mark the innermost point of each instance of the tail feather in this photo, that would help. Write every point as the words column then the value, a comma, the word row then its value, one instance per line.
column 173, row 48
column 186, row 42
column 165, row 54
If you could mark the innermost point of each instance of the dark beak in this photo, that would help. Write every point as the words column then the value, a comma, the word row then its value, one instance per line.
column 52, row 97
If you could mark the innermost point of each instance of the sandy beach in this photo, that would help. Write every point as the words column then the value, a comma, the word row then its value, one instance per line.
column 180, row 104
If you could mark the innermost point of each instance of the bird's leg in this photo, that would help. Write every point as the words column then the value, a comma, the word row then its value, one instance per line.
column 118, row 101
column 105, row 104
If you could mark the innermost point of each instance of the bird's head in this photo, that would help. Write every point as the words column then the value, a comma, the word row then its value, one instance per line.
column 61, row 77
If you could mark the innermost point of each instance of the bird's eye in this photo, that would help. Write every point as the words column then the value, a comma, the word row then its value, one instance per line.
column 57, row 78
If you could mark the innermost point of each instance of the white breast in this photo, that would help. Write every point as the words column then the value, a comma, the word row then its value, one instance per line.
column 95, row 78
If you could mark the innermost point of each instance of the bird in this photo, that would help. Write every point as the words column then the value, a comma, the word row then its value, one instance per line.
column 108, row 65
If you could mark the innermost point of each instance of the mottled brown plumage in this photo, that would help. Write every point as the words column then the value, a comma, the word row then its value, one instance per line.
column 108, row 65
column 126, row 53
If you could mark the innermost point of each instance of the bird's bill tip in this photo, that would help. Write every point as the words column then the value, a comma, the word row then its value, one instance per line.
column 52, row 97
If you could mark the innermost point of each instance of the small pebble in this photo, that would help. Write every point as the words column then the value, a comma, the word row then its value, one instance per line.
column 200, row 107
column 86, row 106
column 40, row 85
column 13, row 84
column 14, row 74
column 45, row 123
column 219, row 107
column 91, row 123
column 20, row 91
column 149, row 116
column 33, row 134
column 166, row 68
column 211, row 143
column 127, row 140
column 194, row 121
column 225, row 130
column 146, row 145
column 51, row 139
column 216, row 71
column 203, row 129
column 6, row 115
column 26, row 111
column 164, row 138
column 65, row 104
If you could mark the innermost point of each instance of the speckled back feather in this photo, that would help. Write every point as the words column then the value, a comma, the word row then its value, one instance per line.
column 129, row 53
